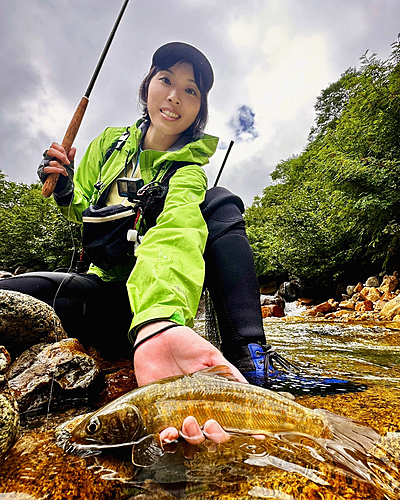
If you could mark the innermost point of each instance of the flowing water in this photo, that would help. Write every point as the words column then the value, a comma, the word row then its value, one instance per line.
column 286, row 467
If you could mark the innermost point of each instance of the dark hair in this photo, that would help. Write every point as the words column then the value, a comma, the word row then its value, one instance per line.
column 195, row 131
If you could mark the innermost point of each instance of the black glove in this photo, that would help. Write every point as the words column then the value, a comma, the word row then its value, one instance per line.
column 65, row 185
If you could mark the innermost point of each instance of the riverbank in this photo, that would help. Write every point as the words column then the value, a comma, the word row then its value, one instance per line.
column 372, row 301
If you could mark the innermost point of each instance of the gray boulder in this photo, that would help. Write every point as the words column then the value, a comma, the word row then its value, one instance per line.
column 25, row 321
column 372, row 281
column 64, row 364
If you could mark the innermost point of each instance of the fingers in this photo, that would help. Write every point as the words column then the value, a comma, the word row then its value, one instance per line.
column 55, row 168
column 191, row 431
column 71, row 154
column 259, row 437
column 57, row 151
column 59, row 158
column 168, row 435
column 193, row 434
column 213, row 431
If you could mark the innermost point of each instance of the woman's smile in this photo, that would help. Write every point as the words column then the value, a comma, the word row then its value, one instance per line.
column 169, row 114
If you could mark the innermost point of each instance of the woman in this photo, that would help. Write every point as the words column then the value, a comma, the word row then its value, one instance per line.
column 198, row 236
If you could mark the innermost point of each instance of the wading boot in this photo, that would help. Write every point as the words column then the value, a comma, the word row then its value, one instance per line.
column 263, row 366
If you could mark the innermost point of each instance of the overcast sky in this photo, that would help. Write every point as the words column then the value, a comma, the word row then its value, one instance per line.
column 271, row 60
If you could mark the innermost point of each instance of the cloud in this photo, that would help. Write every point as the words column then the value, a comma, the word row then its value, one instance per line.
column 271, row 60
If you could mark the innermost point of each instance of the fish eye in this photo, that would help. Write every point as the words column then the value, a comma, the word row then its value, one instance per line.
column 93, row 425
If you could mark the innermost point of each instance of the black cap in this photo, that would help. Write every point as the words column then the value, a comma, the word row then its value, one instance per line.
column 179, row 50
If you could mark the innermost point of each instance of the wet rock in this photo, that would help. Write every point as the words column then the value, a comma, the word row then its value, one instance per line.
column 9, row 414
column 117, row 384
column 25, row 360
column 290, row 290
column 388, row 296
column 358, row 287
column 364, row 306
column 320, row 309
column 347, row 304
column 356, row 297
column 389, row 283
column 374, row 294
column 350, row 290
column 379, row 304
column 25, row 321
column 65, row 363
column 372, row 281
column 342, row 313
column 267, row 300
column 371, row 293
column 272, row 310
column 388, row 444
column 391, row 309
column 304, row 301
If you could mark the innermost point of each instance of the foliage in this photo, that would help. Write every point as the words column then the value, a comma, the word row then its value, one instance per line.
column 336, row 205
column 33, row 233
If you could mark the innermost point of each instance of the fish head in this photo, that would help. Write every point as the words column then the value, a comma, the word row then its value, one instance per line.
column 110, row 426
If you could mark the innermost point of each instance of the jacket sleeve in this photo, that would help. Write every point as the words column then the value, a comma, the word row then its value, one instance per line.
column 87, row 175
column 167, row 280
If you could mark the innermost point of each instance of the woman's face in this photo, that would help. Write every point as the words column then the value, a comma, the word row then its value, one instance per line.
column 173, row 100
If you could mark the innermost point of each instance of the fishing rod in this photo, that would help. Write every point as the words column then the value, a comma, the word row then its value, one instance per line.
column 72, row 130
column 223, row 163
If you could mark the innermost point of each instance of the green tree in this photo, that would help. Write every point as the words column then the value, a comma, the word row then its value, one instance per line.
column 33, row 233
column 337, row 205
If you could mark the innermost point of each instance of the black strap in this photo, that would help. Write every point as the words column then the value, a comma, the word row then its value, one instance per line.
column 153, row 208
column 115, row 146
column 151, row 336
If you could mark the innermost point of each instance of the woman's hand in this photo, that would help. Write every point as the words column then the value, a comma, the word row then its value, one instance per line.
column 193, row 434
column 176, row 351
column 57, row 151
column 179, row 351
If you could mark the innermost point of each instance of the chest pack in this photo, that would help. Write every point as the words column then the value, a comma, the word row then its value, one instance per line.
column 110, row 233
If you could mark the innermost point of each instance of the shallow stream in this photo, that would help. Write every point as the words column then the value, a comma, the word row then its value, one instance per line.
column 286, row 467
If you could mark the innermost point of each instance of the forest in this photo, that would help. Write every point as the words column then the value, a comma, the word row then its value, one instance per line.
column 331, row 211
column 33, row 232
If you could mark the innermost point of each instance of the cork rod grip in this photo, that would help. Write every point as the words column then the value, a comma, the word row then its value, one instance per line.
column 69, row 137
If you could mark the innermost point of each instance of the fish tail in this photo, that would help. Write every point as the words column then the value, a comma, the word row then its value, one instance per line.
column 350, row 432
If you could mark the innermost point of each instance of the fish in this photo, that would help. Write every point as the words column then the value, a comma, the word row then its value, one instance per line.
column 136, row 418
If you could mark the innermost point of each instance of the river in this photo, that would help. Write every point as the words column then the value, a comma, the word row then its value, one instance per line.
column 280, row 467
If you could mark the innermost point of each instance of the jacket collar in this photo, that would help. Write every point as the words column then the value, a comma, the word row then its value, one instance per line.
column 143, row 126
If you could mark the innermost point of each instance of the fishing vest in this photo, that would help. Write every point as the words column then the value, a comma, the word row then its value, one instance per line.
column 152, row 204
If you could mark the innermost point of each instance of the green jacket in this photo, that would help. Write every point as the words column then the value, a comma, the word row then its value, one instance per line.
column 165, row 278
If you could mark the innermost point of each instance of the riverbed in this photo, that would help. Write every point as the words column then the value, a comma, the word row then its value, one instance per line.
column 280, row 467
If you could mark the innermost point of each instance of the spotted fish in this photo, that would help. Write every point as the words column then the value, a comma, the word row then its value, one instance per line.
column 137, row 418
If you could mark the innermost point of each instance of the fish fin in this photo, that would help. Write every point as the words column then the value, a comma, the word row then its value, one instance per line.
column 218, row 371
column 349, row 431
column 147, row 450
column 388, row 445
column 287, row 395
